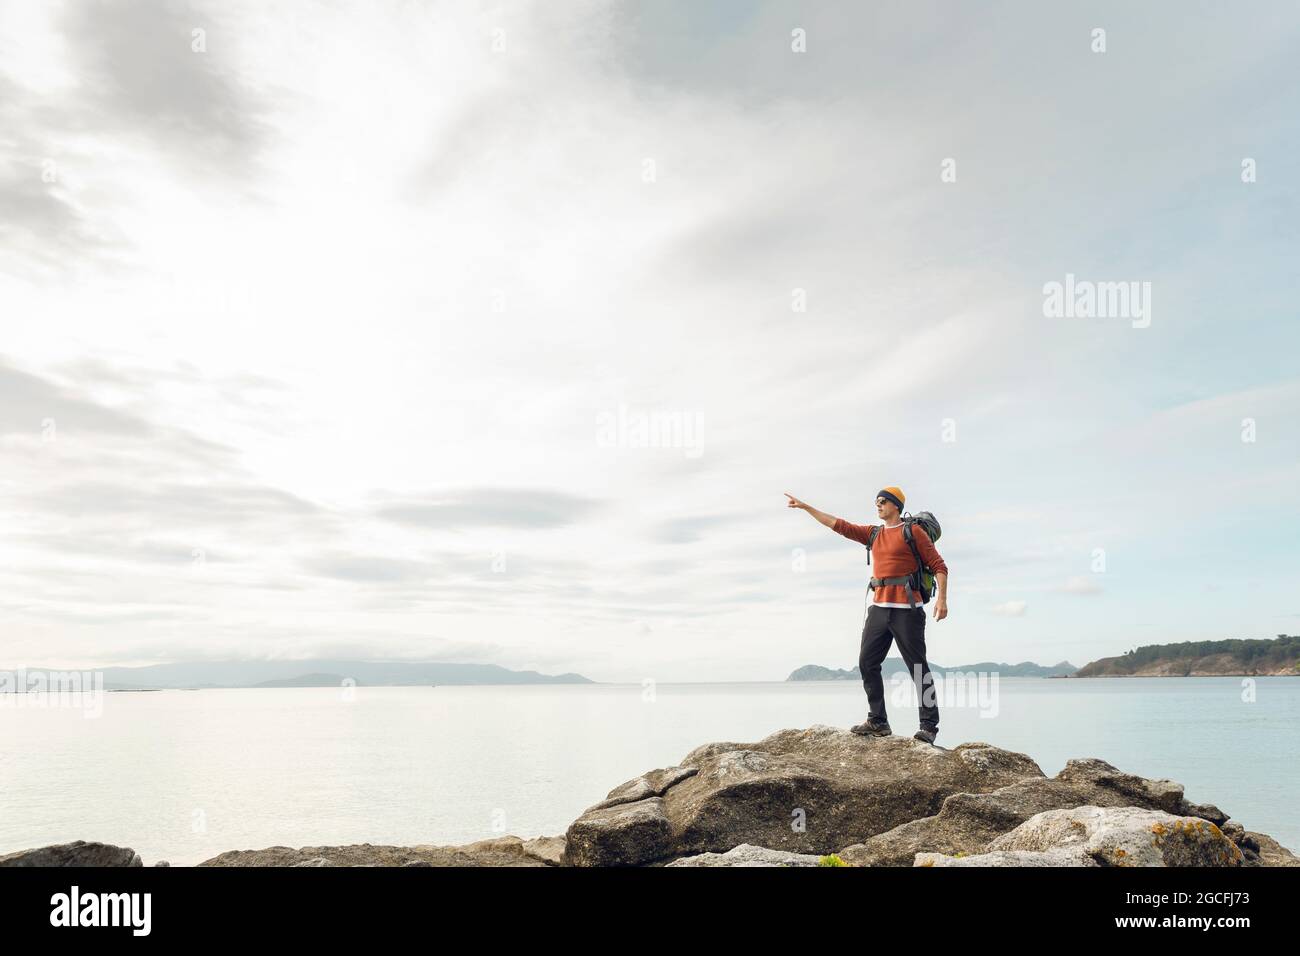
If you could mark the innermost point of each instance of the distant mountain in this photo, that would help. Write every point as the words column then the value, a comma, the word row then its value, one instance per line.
column 894, row 665
column 1023, row 669
column 317, row 673
column 305, row 680
column 1230, row 658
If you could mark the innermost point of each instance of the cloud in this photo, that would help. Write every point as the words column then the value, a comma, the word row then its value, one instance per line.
column 140, row 76
column 694, row 528
column 1082, row 584
column 106, row 107
column 258, row 305
column 523, row 508
column 215, row 504
column 369, row 568
column 40, row 220
column 1010, row 609
column 28, row 401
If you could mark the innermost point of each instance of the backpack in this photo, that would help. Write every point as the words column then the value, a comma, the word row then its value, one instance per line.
column 922, row 578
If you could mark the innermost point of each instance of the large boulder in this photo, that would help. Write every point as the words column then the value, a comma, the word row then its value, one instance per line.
column 77, row 853
column 801, row 791
column 626, row 834
column 966, row 822
column 1103, row 836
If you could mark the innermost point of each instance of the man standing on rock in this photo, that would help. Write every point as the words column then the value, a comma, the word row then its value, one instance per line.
column 896, row 611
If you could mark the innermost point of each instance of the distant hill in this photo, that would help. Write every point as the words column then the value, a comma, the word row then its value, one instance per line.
column 895, row 665
column 305, row 680
column 1247, row 658
column 316, row 673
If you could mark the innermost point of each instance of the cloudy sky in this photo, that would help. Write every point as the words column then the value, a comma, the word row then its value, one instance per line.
column 496, row 331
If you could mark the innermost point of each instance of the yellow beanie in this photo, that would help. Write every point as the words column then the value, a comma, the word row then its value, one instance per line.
column 893, row 492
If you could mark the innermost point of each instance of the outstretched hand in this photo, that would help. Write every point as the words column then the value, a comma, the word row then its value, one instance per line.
column 795, row 502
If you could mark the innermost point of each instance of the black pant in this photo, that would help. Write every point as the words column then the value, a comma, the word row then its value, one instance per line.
column 907, row 626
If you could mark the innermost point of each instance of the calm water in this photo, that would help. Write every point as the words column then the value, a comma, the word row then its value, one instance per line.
column 183, row 775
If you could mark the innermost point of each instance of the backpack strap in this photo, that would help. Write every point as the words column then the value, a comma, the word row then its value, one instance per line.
column 911, row 543
column 920, row 565
column 871, row 539
column 905, row 582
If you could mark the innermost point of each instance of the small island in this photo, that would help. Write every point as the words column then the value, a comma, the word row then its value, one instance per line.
column 1230, row 658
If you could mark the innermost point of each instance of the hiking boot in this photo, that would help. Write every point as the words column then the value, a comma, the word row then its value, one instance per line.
column 870, row 728
column 926, row 736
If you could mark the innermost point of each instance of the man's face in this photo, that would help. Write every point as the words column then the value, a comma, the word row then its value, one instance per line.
column 886, row 509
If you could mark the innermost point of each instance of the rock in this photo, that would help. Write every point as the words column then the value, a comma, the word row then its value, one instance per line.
column 77, row 853
column 966, row 822
column 550, row 850
column 499, row 851
column 621, row 835
column 800, row 791
column 1058, row 857
column 547, row 850
column 1124, row 836
column 652, row 784
column 162, row 863
column 749, row 855
column 1206, row 811
column 1267, row 850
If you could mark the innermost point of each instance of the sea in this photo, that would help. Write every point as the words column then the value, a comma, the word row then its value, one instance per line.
column 182, row 775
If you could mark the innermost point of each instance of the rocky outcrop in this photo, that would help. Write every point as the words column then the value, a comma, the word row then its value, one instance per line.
column 78, row 853
column 500, row 851
column 801, row 791
column 1103, row 836
column 966, row 822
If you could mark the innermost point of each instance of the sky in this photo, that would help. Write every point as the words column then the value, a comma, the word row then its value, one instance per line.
column 496, row 332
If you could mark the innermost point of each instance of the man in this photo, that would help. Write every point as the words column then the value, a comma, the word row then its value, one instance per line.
column 894, row 614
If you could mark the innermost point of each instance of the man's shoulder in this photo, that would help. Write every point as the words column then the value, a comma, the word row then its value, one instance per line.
column 862, row 533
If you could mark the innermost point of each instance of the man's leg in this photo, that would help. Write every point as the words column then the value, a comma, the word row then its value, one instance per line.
column 909, row 631
column 876, row 638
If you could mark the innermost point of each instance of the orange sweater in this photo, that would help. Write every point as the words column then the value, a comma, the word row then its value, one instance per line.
column 892, row 558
